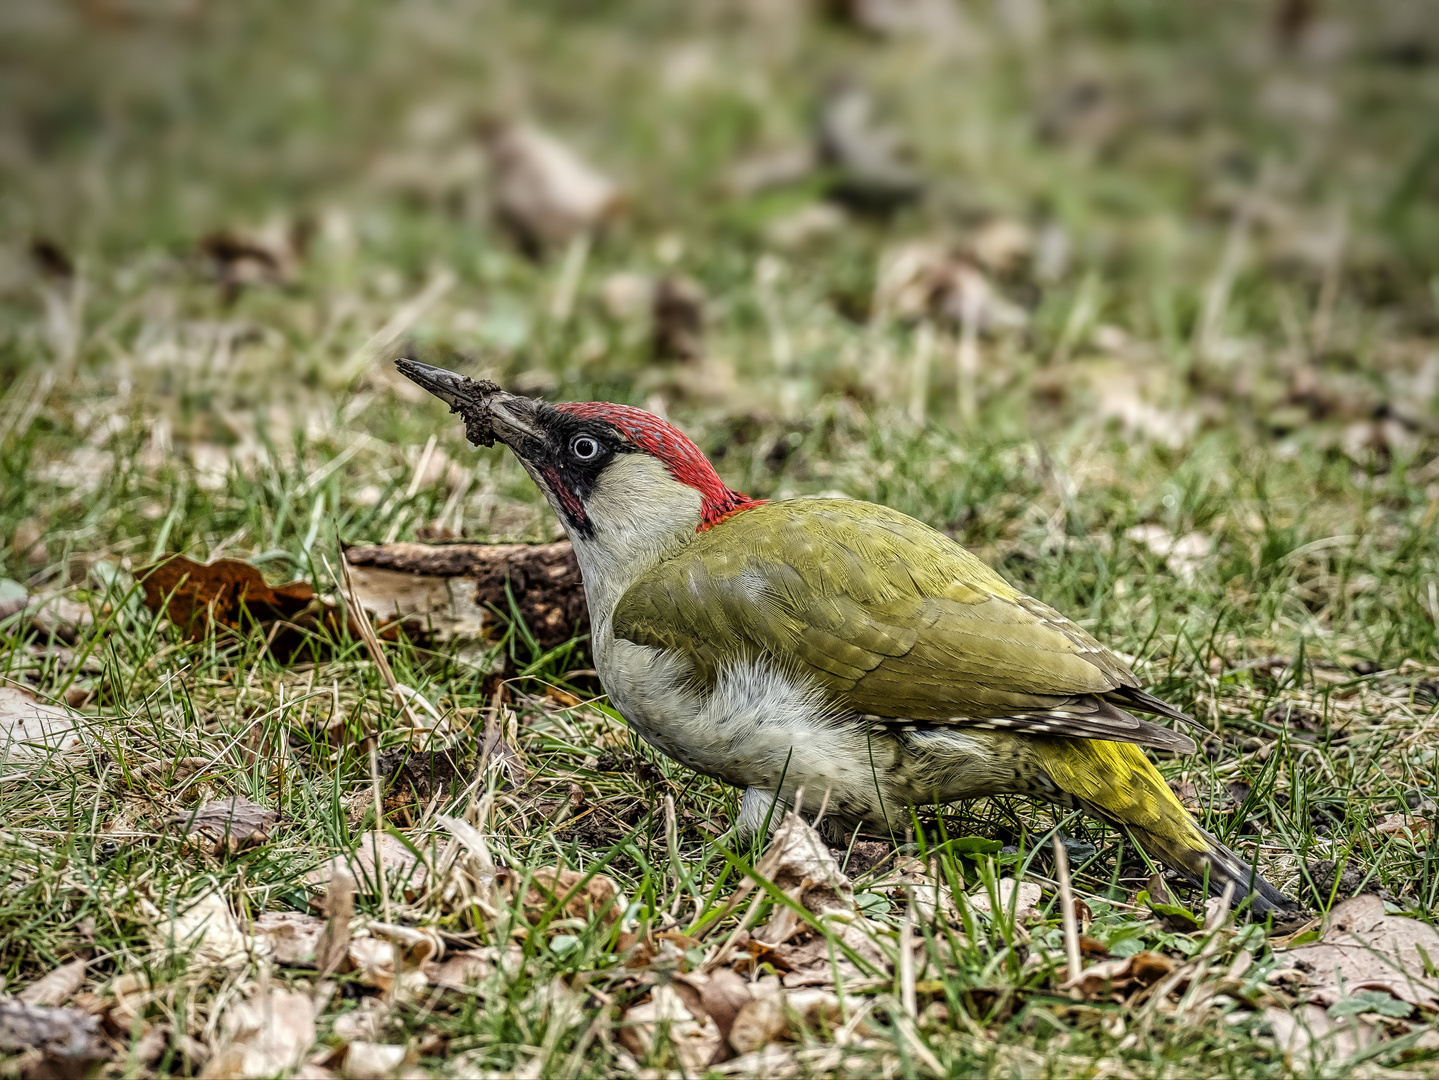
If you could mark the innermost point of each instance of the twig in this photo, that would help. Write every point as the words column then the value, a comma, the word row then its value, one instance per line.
column 562, row 304
column 361, row 622
column 1066, row 904
column 907, row 996
column 378, row 790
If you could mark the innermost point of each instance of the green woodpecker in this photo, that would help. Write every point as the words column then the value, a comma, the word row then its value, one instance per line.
column 833, row 645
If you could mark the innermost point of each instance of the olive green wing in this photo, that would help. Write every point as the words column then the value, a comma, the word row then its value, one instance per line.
column 891, row 618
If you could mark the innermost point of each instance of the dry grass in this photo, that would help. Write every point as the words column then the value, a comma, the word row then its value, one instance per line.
column 1202, row 421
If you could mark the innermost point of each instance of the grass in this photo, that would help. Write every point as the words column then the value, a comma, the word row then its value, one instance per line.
column 1239, row 342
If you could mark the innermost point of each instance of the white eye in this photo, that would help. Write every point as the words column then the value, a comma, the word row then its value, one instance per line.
column 584, row 448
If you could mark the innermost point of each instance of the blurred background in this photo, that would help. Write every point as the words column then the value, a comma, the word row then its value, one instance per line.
column 1139, row 300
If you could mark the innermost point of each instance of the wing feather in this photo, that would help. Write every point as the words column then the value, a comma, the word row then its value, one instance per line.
column 892, row 619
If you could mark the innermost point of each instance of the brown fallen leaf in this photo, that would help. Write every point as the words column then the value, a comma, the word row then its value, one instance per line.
column 339, row 906
column 695, row 1038
column 206, row 932
column 799, row 863
column 50, row 1042
column 56, row 987
column 374, row 962
column 401, row 866
column 392, row 955
column 542, row 190
column 722, row 996
column 678, row 312
column 226, row 826
column 584, row 896
column 1411, row 827
column 1311, row 1037
column 463, row 970
column 293, row 936
column 925, row 280
column 370, row 1021
column 759, row 1022
column 1021, row 896
column 752, row 1015
column 31, row 731
column 819, row 962
column 1363, row 948
column 229, row 593
column 373, row 1061
column 913, row 879
column 267, row 1035
column 1116, row 979
column 242, row 257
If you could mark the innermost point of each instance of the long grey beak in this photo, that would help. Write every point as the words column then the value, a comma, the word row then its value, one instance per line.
column 489, row 412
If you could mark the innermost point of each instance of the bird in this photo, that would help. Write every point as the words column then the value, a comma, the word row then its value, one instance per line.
column 834, row 646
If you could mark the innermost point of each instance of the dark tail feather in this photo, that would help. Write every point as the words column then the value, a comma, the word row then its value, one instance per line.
column 1216, row 865
column 1225, row 866
column 1132, row 697
column 1219, row 867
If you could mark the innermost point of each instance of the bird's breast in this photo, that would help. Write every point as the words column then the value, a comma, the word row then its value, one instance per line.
column 754, row 727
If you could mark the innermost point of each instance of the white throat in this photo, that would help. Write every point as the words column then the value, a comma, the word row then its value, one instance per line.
column 641, row 515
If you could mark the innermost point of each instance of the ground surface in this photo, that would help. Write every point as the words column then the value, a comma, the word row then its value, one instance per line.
column 1159, row 342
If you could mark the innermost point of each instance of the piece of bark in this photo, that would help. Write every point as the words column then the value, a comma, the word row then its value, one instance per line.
column 450, row 589
column 226, row 825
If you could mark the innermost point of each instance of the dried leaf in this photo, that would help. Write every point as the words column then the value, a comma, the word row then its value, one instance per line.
column 1411, row 827
column 872, row 173
column 206, row 931
column 374, row 962
column 1022, row 896
column 1117, row 979
column 912, row 879
column 293, row 937
column 463, row 970
column 760, row 1021
column 366, row 1023
column 228, row 592
column 373, row 1061
column 678, row 311
column 584, row 896
column 542, row 188
column 61, row 1042
column 1185, row 555
column 401, row 865
column 339, row 905
column 227, row 825
column 56, row 987
column 31, row 730
column 268, row 1035
column 820, row 962
column 798, row 862
column 696, row 1039
column 269, row 255
column 1311, row 1037
column 923, row 280
column 723, row 995
column 1365, row 949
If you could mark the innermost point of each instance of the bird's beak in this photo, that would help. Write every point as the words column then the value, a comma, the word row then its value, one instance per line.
column 489, row 412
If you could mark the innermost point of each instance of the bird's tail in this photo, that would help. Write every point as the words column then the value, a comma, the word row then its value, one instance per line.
column 1117, row 782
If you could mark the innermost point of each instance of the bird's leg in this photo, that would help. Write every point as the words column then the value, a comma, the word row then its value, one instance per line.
column 757, row 805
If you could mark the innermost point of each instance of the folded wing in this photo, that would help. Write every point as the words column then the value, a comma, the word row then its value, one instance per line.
column 892, row 619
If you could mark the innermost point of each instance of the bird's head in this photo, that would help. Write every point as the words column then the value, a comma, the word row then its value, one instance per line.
column 612, row 473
